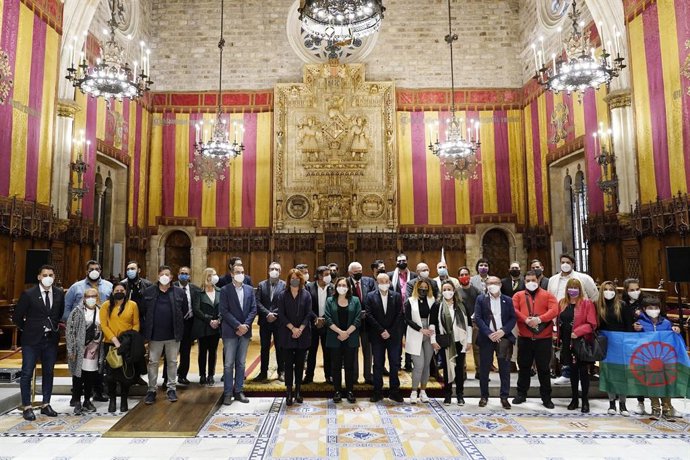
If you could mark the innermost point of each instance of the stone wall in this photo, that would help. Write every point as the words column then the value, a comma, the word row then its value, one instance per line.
column 410, row 48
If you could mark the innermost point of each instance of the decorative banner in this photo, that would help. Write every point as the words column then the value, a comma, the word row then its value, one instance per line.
column 645, row 364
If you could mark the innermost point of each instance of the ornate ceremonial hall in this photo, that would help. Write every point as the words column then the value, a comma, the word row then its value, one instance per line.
column 182, row 158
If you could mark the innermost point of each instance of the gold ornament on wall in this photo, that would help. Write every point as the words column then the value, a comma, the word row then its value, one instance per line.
column 6, row 81
column 686, row 67
column 559, row 123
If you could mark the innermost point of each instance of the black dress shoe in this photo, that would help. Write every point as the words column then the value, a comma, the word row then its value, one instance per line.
column 337, row 397
column 210, row 381
column 100, row 397
column 124, row 404
column 329, row 380
column 376, row 397
column 585, row 406
column 262, row 377
column 28, row 414
column 298, row 397
column 183, row 381
column 88, row 406
column 385, row 372
column 48, row 411
column 396, row 396
column 73, row 401
column 504, row 402
column 112, row 405
column 519, row 399
column 483, row 402
column 289, row 401
column 202, row 380
column 351, row 397
column 241, row 397
column 548, row 404
column 574, row 404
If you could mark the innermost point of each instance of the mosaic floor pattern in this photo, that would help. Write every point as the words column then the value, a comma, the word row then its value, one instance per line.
column 268, row 429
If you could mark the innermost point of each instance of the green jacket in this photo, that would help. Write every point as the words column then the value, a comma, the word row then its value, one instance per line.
column 331, row 315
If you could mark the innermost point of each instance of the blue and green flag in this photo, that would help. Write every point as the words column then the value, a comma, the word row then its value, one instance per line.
column 645, row 364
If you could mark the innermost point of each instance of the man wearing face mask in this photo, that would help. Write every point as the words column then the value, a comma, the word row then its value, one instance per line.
column 190, row 290
column 557, row 282
column 304, row 268
column 227, row 278
column 320, row 290
column 399, row 279
column 442, row 270
column 537, row 267
column 166, row 306
column 360, row 286
column 469, row 294
column 422, row 274
column 136, row 286
column 385, row 319
column 37, row 315
column 514, row 282
column 479, row 280
column 333, row 267
column 535, row 309
column 267, row 311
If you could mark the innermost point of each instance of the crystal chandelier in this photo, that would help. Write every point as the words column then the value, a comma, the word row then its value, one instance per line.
column 606, row 159
column 212, row 155
column 458, row 154
column 341, row 20
column 5, row 77
column 111, row 77
column 581, row 69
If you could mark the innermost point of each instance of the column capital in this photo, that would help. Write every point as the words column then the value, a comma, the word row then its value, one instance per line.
column 619, row 99
column 67, row 108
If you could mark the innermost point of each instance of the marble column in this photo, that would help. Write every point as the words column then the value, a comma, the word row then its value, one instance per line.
column 623, row 127
column 64, row 133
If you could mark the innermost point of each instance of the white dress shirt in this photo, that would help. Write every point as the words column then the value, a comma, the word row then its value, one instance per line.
column 384, row 301
column 496, row 311
column 323, row 295
column 240, row 294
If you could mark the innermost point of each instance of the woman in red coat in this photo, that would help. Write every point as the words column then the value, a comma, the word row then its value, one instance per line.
column 577, row 318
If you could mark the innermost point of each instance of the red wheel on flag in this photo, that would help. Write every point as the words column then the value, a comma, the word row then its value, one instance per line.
column 654, row 364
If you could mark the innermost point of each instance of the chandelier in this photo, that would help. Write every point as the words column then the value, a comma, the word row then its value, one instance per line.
column 111, row 77
column 458, row 154
column 581, row 69
column 212, row 154
column 341, row 20
column 606, row 159
column 5, row 77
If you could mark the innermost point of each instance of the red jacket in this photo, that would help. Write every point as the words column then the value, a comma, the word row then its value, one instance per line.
column 585, row 320
column 544, row 305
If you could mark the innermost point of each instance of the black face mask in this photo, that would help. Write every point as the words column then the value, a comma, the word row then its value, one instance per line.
column 381, row 270
column 538, row 272
column 423, row 292
column 119, row 296
column 357, row 276
column 515, row 273
column 402, row 265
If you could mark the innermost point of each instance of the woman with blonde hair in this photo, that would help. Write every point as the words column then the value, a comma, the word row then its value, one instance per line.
column 206, row 327
column 418, row 339
column 577, row 319
column 614, row 315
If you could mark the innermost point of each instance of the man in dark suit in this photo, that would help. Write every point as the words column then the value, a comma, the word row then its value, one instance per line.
column 320, row 290
column 399, row 279
column 360, row 287
column 227, row 278
column 190, row 289
column 385, row 320
column 513, row 283
column 267, row 291
column 237, row 312
column 422, row 274
column 495, row 317
column 37, row 316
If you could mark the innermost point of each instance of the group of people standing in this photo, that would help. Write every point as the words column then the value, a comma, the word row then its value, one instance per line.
column 435, row 321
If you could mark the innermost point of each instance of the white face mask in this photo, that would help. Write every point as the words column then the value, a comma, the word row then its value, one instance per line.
column 424, row 274
column 566, row 268
column 164, row 280
column 47, row 281
column 653, row 313
column 609, row 295
column 635, row 295
column 384, row 287
column 448, row 295
column 94, row 275
column 532, row 286
column 90, row 302
column 327, row 279
column 239, row 278
column 306, row 277
column 493, row 289
column 274, row 274
column 342, row 290
column 214, row 279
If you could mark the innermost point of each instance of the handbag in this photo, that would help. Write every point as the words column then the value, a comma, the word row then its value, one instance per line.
column 114, row 359
column 443, row 340
column 590, row 352
column 541, row 326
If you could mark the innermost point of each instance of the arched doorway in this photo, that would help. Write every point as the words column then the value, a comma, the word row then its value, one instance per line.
column 496, row 248
column 178, row 250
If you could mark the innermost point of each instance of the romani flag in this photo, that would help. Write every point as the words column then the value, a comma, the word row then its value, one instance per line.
column 645, row 364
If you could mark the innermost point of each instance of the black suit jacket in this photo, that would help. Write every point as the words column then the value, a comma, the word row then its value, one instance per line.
column 264, row 305
column 193, row 290
column 391, row 321
column 31, row 315
column 482, row 318
column 507, row 286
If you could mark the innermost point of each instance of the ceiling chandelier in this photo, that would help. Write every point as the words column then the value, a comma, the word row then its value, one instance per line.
column 581, row 69
column 458, row 154
column 341, row 20
column 111, row 77
column 211, row 156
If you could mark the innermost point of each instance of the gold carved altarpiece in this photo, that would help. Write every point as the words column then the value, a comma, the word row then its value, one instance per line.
column 335, row 155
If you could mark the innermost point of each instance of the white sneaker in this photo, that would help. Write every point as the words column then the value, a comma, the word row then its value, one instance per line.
column 413, row 397
column 611, row 411
column 675, row 413
column 423, row 397
column 640, row 410
column 625, row 413
column 561, row 381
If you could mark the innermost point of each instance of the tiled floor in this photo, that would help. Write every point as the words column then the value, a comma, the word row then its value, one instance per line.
column 267, row 429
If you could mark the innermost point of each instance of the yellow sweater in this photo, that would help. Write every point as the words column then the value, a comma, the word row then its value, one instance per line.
column 114, row 325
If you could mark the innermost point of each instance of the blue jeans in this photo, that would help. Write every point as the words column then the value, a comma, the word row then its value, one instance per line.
column 46, row 350
column 235, row 353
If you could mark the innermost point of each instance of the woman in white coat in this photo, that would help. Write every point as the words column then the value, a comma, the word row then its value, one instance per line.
column 418, row 340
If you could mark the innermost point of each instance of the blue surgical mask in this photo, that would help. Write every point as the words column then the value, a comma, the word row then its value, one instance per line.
column 131, row 274
column 184, row 277
column 442, row 272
